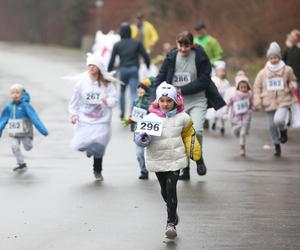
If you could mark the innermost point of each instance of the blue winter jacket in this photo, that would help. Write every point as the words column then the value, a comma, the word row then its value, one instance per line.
column 22, row 110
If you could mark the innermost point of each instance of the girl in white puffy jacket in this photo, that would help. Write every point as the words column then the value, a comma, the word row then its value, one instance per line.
column 91, row 110
column 166, row 152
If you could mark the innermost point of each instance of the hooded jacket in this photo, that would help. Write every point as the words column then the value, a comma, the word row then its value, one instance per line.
column 22, row 110
column 203, row 81
column 128, row 50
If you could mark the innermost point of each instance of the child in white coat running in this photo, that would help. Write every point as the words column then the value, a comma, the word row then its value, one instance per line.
column 91, row 111
column 173, row 140
column 223, row 85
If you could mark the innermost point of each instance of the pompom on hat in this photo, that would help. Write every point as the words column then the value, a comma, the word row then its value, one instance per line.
column 165, row 89
column 241, row 77
column 274, row 49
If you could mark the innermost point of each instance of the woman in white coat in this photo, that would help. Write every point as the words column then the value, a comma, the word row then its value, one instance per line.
column 91, row 111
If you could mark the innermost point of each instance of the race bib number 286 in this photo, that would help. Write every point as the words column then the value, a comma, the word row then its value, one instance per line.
column 150, row 127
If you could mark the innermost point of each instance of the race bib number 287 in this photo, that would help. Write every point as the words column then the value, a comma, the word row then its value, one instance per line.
column 150, row 127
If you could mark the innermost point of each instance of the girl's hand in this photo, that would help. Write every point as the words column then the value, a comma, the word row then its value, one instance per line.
column 74, row 119
column 104, row 100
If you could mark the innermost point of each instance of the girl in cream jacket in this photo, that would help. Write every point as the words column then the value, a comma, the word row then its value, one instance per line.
column 167, row 151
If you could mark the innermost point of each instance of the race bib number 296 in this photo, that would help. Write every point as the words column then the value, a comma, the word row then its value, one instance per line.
column 150, row 127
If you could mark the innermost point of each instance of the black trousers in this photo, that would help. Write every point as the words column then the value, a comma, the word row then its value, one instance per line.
column 97, row 165
column 168, row 183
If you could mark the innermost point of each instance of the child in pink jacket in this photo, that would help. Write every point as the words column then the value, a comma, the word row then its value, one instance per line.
column 240, row 109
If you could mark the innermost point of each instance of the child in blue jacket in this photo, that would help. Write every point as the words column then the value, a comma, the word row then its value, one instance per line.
column 20, row 115
column 139, row 110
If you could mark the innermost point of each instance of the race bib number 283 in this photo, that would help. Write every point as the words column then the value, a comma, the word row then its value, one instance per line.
column 150, row 127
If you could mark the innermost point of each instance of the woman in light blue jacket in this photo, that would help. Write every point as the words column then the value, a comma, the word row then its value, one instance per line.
column 20, row 115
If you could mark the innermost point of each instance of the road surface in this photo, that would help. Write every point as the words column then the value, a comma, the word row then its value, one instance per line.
column 250, row 203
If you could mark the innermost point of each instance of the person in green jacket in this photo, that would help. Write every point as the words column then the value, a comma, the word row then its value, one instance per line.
column 211, row 47
column 210, row 44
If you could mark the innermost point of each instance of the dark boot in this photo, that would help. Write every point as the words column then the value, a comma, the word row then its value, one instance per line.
column 201, row 168
column 98, row 168
column 213, row 127
column 277, row 150
column 144, row 176
column 222, row 131
column 185, row 174
column 283, row 136
column 206, row 124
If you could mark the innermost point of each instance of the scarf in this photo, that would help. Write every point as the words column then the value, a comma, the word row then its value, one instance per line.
column 276, row 67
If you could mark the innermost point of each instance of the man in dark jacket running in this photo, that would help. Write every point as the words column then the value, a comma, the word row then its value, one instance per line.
column 129, row 51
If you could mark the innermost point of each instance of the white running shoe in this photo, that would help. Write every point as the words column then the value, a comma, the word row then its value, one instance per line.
column 171, row 231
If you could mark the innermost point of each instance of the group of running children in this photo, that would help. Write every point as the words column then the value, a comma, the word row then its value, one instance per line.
column 163, row 132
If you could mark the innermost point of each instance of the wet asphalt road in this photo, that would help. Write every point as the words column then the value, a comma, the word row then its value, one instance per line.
column 251, row 203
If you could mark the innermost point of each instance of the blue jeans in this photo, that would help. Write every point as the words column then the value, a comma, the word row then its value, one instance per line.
column 128, row 75
column 298, row 88
column 141, row 159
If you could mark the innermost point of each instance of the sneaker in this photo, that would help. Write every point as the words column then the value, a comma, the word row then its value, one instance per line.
column 143, row 176
column 242, row 150
column 20, row 167
column 283, row 136
column 201, row 168
column 98, row 176
column 171, row 231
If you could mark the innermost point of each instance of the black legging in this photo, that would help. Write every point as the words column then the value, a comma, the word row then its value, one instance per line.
column 97, row 165
column 168, row 181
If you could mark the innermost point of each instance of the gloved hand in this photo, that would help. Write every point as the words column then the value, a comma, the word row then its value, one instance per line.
column 142, row 139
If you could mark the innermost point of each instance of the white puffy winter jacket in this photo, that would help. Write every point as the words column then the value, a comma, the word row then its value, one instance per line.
column 167, row 152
